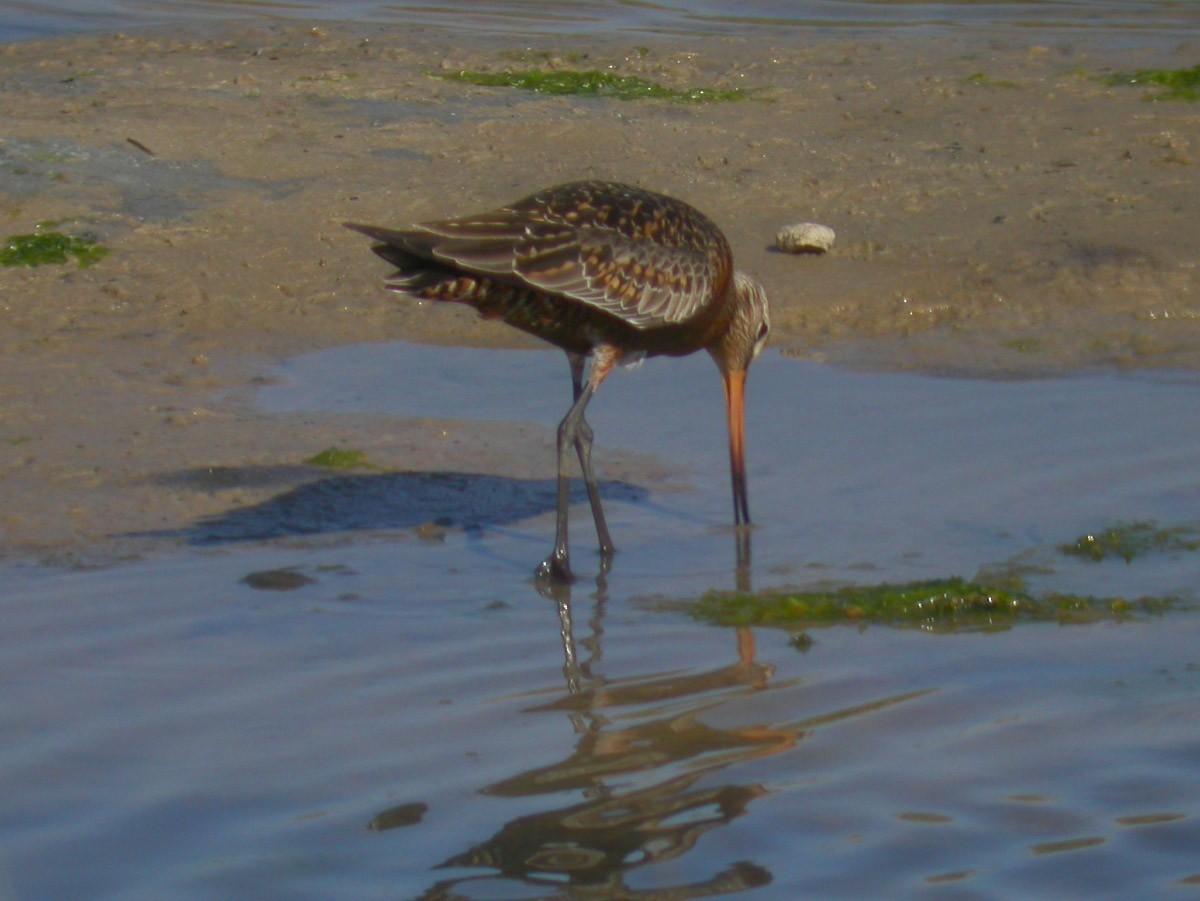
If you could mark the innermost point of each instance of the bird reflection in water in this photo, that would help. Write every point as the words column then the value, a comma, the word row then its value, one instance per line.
column 591, row 846
column 647, row 779
column 587, row 849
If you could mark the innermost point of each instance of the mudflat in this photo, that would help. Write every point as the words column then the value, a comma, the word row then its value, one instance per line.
column 1000, row 209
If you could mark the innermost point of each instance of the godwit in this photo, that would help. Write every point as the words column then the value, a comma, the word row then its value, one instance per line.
column 598, row 269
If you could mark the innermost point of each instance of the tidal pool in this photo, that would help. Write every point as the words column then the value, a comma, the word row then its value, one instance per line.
column 358, row 707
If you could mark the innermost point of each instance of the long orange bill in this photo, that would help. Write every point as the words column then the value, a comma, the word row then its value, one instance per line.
column 735, row 394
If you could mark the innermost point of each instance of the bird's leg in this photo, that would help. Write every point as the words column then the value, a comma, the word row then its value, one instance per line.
column 741, row 548
column 558, row 565
column 583, row 447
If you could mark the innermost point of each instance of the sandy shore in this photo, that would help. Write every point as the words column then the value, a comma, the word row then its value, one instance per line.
column 999, row 211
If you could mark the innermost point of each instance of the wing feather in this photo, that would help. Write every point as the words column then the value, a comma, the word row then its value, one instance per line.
column 644, row 258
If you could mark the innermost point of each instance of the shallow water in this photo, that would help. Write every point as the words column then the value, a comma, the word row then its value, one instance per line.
column 902, row 476
column 1156, row 20
column 400, row 717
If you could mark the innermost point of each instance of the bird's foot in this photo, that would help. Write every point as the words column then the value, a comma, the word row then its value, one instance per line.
column 555, row 568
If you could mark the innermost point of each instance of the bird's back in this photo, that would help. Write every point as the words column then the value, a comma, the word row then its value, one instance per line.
column 577, row 264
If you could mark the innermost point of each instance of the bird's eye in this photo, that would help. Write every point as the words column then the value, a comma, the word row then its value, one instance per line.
column 762, row 332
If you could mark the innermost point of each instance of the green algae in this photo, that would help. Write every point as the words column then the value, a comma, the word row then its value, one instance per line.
column 328, row 77
column 591, row 83
column 1024, row 345
column 1176, row 84
column 937, row 605
column 986, row 81
column 1131, row 540
column 999, row 597
column 338, row 458
column 49, row 249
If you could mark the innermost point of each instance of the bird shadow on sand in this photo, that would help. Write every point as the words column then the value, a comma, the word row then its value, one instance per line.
column 314, row 503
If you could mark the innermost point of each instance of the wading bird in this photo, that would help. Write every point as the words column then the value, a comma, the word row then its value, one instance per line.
column 598, row 269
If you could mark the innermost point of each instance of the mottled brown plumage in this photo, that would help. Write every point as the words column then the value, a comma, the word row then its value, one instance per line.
column 595, row 268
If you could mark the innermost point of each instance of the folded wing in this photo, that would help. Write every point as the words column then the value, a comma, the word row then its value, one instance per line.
column 646, row 259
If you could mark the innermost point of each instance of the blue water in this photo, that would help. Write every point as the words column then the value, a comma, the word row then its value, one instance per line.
column 410, row 718
column 926, row 476
column 1146, row 19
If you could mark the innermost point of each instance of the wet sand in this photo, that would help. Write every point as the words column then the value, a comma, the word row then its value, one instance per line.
column 999, row 212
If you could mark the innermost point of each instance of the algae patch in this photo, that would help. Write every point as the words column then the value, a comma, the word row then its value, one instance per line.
column 338, row 458
column 591, row 83
column 1024, row 345
column 50, row 249
column 983, row 80
column 1177, row 84
column 937, row 605
column 996, row 599
column 1133, row 539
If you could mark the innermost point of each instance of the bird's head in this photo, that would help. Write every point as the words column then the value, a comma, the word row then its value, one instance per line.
column 734, row 352
column 748, row 329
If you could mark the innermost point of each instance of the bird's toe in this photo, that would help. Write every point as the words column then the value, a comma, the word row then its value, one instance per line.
column 555, row 569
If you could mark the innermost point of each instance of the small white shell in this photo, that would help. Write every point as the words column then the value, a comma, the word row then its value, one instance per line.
column 805, row 237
